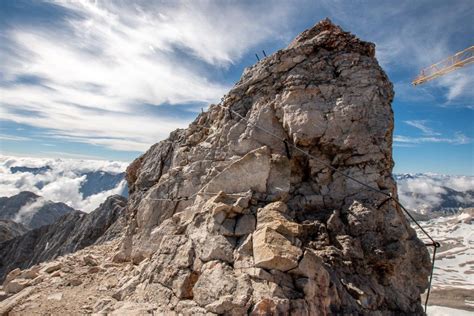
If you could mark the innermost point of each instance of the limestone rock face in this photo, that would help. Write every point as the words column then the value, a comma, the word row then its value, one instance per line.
column 223, row 218
column 226, row 219
column 229, row 220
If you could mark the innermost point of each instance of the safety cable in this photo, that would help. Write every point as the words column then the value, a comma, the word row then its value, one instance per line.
column 287, row 144
column 434, row 244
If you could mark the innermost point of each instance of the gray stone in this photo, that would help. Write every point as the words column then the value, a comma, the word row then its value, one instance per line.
column 245, row 225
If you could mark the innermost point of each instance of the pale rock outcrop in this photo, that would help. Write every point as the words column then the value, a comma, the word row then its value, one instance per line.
column 223, row 218
column 230, row 220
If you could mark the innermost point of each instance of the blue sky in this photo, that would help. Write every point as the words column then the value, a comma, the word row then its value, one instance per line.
column 106, row 79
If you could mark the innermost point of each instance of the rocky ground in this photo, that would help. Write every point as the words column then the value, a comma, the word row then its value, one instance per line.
column 81, row 283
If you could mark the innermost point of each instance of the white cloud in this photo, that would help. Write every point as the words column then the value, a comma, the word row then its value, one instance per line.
column 61, row 183
column 13, row 138
column 458, row 139
column 459, row 85
column 422, row 192
column 93, row 201
column 460, row 183
column 111, row 58
column 422, row 126
column 26, row 213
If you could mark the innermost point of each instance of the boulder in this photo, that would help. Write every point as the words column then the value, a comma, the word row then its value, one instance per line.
column 52, row 267
column 15, row 286
column 272, row 250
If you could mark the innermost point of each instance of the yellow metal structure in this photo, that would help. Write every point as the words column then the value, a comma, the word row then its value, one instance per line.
column 451, row 63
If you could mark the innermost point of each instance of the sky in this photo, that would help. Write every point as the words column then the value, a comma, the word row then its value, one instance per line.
column 107, row 79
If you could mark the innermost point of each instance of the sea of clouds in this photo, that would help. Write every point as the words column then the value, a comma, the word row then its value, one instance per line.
column 424, row 192
column 61, row 183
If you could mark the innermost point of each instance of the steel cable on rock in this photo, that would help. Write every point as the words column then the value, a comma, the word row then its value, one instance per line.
column 434, row 244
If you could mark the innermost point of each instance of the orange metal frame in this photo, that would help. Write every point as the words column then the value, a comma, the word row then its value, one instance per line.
column 451, row 63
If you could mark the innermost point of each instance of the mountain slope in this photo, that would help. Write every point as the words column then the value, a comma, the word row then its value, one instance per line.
column 10, row 229
column 70, row 233
column 31, row 210
column 453, row 276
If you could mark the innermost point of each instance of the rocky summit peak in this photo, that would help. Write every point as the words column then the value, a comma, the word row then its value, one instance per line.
column 244, row 213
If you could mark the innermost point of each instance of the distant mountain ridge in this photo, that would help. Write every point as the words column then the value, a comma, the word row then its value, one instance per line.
column 434, row 194
column 94, row 183
column 99, row 181
column 31, row 210
column 68, row 234
column 33, row 170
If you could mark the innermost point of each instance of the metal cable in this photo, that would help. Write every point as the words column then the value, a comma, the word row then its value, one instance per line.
column 434, row 244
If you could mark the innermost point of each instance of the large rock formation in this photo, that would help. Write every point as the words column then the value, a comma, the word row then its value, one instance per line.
column 252, row 227
column 226, row 219
column 69, row 233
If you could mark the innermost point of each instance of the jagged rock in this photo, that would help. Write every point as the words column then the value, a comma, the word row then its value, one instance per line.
column 103, row 306
column 302, row 227
column 245, row 225
column 126, row 288
column 12, row 275
column 272, row 250
column 273, row 216
column 15, row 286
column 52, row 267
column 220, row 291
column 271, row 306
column 31, row 273
column 224, row 218
column 74, row 282
column 90, row 261
column 56, row 296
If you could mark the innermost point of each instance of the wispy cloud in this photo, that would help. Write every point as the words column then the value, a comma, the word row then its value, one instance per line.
column 93, row 77
column 458, row 139
column 422, row 126
column 14, row 138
